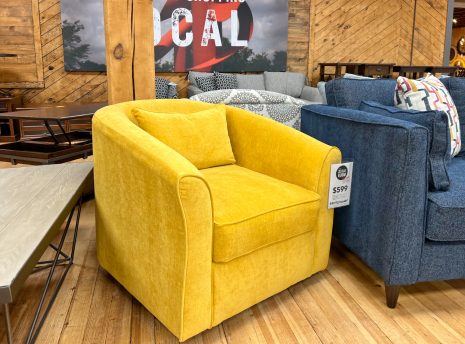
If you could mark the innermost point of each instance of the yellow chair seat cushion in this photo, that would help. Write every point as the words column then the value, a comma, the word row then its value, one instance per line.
column 252, row 210
column 200, row 137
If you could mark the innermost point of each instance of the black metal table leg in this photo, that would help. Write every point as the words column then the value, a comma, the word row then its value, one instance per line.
column 67, row 262
column 63, row 131
column 47, row 125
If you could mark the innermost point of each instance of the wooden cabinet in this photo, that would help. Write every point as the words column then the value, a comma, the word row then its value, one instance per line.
column 380, row 69
column 336, row 70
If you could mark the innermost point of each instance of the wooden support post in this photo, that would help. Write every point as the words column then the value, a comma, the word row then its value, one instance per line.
column 144, row 53
column 129, row 49
column 312, row 63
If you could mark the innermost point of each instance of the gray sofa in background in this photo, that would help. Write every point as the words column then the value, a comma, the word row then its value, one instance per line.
column 287, row 83
column 406, row 218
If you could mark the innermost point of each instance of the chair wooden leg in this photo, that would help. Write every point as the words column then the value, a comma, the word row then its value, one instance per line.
column 392, row 294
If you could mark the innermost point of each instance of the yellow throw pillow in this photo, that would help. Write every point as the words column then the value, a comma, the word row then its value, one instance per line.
column 201, row 137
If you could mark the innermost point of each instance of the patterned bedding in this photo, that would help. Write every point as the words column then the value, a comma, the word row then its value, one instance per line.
column 279, row 107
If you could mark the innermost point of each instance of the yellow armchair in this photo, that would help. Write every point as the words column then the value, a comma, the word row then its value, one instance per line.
column 196, row 247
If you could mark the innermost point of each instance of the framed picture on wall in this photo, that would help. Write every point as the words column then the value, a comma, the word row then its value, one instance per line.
column 234, row 36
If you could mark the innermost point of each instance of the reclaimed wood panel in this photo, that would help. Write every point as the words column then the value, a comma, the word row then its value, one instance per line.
column 319, row 31
column 62, row 86
column 298, row 35
column 359, row 31
column 403, row 32
column 20, row 35
column 430, row 32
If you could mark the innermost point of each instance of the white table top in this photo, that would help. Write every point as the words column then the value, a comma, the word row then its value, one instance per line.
column 34, row 202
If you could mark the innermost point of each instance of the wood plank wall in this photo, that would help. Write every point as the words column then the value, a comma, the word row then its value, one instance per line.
column 429, row 36
column 319, row 31
column 20, row 35
column 379, row 31
column 60, row 86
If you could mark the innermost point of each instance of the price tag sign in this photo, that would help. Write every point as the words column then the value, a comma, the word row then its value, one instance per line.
column 340, row 184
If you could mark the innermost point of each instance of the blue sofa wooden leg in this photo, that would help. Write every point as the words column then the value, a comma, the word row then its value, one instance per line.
column 392, row 294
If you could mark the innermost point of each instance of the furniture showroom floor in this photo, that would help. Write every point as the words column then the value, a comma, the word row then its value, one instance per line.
column 341, row 305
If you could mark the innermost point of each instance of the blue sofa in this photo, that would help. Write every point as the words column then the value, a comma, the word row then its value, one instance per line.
column 399, row 225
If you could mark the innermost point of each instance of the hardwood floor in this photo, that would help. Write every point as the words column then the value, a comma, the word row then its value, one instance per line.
column 344, row 304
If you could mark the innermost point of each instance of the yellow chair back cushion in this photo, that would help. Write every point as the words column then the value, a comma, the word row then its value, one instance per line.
column 201, row 137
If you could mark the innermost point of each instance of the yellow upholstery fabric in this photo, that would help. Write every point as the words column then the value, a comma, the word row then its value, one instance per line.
column 291, row 156
column 250, row 279
column 200, row 137
column 155, row 217
column 252, row 210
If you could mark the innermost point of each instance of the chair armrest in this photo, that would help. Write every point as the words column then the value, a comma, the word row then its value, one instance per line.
column 154, row 222
column 311, row 94
column 274, row 149
column 384, row 223
column 193, row 90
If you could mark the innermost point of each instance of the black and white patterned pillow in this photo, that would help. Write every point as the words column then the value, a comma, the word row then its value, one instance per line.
column 225, row 81
column 161, row 88
column 172, row 91
column 206, row 83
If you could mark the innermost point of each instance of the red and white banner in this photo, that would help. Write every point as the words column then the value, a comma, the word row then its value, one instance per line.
column 207, row 35
column 201, row 35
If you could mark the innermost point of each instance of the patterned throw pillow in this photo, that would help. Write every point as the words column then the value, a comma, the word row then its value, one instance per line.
column 172, row 91
column 430, row 94
column 192, row 75
column 161, row 88
column 206, row 83
column 225, row 81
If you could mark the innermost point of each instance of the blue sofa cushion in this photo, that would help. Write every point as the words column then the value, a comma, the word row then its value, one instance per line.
column 439, row 142
column 446, row 210
column 349, row 93
column 456, row 87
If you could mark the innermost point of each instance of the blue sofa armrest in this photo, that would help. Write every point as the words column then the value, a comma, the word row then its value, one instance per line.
column 385, row 222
